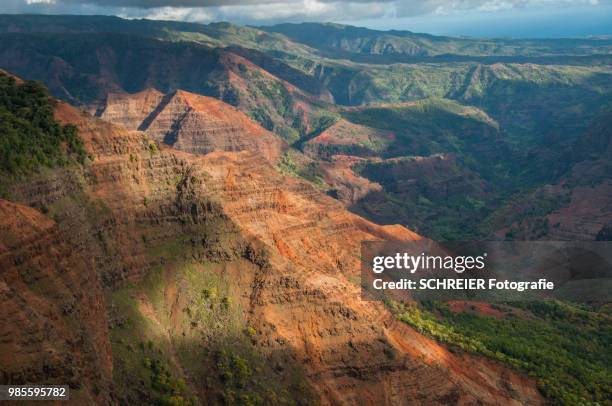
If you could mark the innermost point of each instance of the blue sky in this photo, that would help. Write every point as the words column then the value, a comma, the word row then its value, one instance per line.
column 479, row 18
column 577, row 20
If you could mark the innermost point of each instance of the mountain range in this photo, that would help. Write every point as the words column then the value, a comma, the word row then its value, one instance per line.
column 183, row 207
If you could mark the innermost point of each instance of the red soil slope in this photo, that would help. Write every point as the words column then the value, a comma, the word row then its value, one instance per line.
column 302, row 297
column 190, row 122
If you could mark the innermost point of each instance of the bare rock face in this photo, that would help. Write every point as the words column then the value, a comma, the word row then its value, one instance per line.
column 306, row 301
column 129, row 110
column 354, row 350
column 347, row 186
column 53, row 327
column 190, row 122
column 293, row 251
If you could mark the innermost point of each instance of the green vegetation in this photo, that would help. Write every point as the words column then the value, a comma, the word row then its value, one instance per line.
column 166, row 389
column 293, row 163
column 508, row 111
column 245, row 384
column 438, row 196
column 142, row 368
column 359, row 40
column 303, row 39
column 428, row 126
column 530, row 219
column 566, row 347
column 494, row 176
column 170, row 346
column 272, row 106
column 30, row 138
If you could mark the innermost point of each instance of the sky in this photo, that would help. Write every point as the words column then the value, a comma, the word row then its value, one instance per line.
column 476, row 18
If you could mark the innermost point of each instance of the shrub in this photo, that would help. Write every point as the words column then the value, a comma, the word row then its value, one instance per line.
column 565, row 346
column 30, row 137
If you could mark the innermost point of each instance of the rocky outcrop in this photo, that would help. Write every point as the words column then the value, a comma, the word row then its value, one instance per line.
column 346, row 185
column 353, row 349
column 304, row 300
column 142, row 198
column 129, row 110
column 139, row 208
column 190, row 122
column 53, row 327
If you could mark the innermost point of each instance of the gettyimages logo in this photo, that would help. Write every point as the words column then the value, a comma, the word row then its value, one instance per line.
column 412, row 263
column 494, row 271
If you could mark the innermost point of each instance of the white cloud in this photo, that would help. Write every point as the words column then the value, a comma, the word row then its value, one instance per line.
column 304, row 10
column 418, row 6
column 201, row 15
column 292, row 11
column 272, row 11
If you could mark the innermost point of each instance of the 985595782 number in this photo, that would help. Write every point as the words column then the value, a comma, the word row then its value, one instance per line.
column 34, row 392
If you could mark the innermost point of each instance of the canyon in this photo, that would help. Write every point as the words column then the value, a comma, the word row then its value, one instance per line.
column 190, row 122
column 124, row 233
column 182, row 208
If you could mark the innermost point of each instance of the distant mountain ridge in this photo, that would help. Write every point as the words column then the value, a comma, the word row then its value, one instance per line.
column 159, row 276
column 368, row 41
column 84, row 69
column 306, row 38
column 190, row 231
column 334, row 94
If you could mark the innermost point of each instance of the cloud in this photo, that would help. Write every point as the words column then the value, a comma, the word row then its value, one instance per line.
column 149, row 4
column 307, row 10
column 201, row 3
column 165, row 3
column 304, row 10
column 190, row 14
column 272, row 11
column 417, row 6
